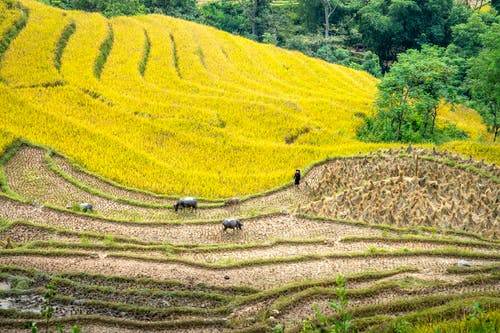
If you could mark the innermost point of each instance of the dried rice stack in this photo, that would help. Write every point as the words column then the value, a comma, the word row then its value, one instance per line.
column 401, row 191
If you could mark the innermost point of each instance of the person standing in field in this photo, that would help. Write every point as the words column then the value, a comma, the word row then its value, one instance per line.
column 296, row 177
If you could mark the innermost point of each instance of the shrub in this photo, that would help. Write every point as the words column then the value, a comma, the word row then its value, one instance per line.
column 340, row 323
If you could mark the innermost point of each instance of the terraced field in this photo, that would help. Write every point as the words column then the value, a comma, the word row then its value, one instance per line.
column 142, row 100
column 169, row 106
column 134, row 263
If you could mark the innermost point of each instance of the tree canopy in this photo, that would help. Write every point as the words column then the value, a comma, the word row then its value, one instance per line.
column 484, row 75
column 409, row 96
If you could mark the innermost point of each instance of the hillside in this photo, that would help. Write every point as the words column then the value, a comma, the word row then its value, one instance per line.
column 135, row 264
column 107, row 111
column 171, row 106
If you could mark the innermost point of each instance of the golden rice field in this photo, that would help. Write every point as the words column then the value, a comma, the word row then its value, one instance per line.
column 175, row 107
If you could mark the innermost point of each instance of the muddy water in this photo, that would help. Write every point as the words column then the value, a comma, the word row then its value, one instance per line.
column 23, row 303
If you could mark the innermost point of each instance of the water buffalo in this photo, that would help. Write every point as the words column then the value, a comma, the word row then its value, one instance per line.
column 232, row 224
column 86, row 207
column 232, row 201
column 186, row 202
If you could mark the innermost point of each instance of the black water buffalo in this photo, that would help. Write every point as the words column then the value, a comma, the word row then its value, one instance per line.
column 186, row 202
column 86, row 207
column 232, row 224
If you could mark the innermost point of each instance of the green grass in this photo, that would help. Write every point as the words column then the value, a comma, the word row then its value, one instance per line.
column 14, row 319
column 104, row 51
column 145, row 57
column 432, row 307
column 430, row 310
column 294, row 287
column 400, row 287
column 62, row 42
column 495, row 268
column 420, row 239
column 111, row 291
column 159, row 284
column 488, row 322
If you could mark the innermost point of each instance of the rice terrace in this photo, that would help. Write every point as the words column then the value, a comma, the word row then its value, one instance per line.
column 131, row 113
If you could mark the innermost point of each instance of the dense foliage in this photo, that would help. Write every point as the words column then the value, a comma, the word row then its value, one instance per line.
column 484, row 76
column 466, row 71
column 180, row 8
column 409, row 97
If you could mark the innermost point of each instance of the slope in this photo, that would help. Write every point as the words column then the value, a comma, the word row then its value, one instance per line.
column 171, row 106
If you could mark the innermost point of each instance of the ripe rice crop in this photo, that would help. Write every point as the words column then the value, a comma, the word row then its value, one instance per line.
column 181, row 108
column 6, row 139
column 464, row 118
column 44, row 26
column 490, row 152
column 9, row 14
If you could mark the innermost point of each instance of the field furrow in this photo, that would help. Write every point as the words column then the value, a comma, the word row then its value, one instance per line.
column 104, row 186
column 306, row 311
column 252, row 276
column 82, row 50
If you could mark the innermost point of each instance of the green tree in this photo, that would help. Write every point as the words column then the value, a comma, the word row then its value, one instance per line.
column 495, row 4
column 282, row 23
column 392, row 27
column 467, row 35
column 250, row 18
column 88, row 5
column 484, row 76
column 123, row 7
column 371, row 64
column 229, row 16
column 320, row 15
column 377, row 29
column 406, row 23
column 435, row 17
column 179, row 8
column 409, row 96
column 329, row 8
column 310, row 14
column 64, row 4
column 259, row 13
column 186, row 9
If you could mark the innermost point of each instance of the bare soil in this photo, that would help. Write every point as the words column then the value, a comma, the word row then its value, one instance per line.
column 253, row 276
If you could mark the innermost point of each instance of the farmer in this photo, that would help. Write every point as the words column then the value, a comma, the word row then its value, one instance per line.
column 296, row 177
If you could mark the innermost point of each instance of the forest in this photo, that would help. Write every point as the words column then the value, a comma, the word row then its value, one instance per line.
column 425, row 51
